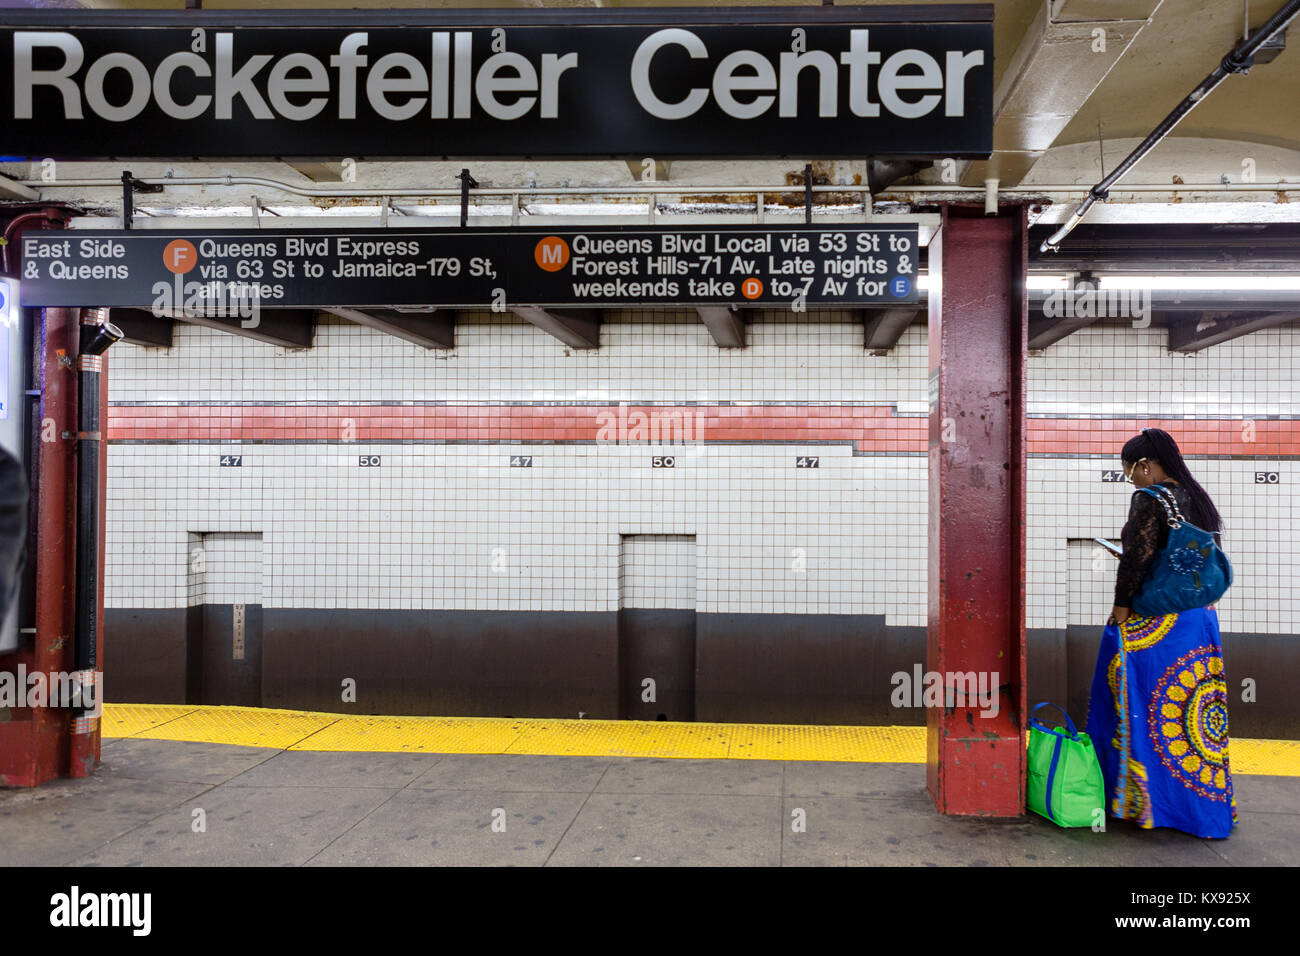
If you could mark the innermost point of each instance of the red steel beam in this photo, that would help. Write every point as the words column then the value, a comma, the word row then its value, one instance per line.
column 978, row 332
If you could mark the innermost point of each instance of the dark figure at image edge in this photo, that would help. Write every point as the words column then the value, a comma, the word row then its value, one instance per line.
column 13, row 533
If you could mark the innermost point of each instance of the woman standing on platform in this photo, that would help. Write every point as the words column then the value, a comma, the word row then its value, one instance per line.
column 1166, row 765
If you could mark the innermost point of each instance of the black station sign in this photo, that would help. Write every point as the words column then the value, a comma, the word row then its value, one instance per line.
column 812, row 81
column 198, row 272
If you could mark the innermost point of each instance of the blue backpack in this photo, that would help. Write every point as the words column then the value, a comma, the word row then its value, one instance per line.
column 1192, row 571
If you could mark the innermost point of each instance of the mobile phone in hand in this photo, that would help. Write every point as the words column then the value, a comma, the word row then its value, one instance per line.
column 1110, row 546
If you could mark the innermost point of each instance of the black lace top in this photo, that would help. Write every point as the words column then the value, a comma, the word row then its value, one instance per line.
column 1145, row 535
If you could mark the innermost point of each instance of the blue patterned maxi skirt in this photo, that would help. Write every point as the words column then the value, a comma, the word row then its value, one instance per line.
column 1166, row 765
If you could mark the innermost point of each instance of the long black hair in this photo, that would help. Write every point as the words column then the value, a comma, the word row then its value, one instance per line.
column 1159, row 446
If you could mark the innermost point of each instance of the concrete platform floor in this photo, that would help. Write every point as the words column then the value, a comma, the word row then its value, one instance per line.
column 274, row 807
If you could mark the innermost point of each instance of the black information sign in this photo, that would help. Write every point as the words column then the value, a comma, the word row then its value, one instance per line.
column 826, row 81
column 205, row 272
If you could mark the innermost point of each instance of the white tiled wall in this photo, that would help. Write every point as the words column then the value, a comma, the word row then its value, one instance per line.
column 225, row 568
column 452, row 526
column 648, row 355
column 1126, row 371
column 1091, row 583
column 658, row 571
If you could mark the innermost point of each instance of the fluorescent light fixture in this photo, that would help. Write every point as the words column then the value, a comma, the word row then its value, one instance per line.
column 1180, row 282
column 1046, row 283
column 1035, row 282
column 1183, row 282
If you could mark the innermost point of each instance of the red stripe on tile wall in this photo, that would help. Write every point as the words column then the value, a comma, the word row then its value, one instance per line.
column 870, row 428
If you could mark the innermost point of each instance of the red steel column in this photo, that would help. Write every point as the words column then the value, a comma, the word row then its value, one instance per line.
column 978, row 329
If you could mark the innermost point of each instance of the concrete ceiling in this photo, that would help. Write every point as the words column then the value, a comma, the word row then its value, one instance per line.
column 1184, row 40
column 1053, row 96
column 1010, row 20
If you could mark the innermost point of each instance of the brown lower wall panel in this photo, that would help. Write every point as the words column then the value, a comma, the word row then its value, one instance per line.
column 764, row 668
column 804, row 668
column 1047, row 668
column 656, row 657
column 145, row 653
column 470, row 663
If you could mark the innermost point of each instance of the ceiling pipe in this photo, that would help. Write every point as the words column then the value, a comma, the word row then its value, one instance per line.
column 710, row 188
column 97, row 335
column 914, row 194
column 45, row 217
column 1238, row 60
column 990, row 197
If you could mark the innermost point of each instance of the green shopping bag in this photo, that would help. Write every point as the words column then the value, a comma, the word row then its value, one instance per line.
column 1065, row 781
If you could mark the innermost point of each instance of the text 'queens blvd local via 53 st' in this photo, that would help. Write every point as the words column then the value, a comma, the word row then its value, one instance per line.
column 472, row 268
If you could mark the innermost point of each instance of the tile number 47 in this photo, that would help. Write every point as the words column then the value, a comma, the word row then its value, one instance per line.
column 808, row 461
column 521, row 461
column 232, row 461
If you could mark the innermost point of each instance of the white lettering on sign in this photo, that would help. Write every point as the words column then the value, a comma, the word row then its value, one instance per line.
column 26, row 78
column 296, row 86
column 898, row 81
column 746, row 84
column 162, row 85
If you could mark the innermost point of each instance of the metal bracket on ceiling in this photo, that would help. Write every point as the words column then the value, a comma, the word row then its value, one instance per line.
column 807, row 193
column 1084, row 281
column 467, row 182
column 260, row 207
column 131, row 186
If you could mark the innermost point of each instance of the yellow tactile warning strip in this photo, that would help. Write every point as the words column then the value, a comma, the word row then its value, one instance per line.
column 125, row 720
column 299, row 730
column 1267, row 758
